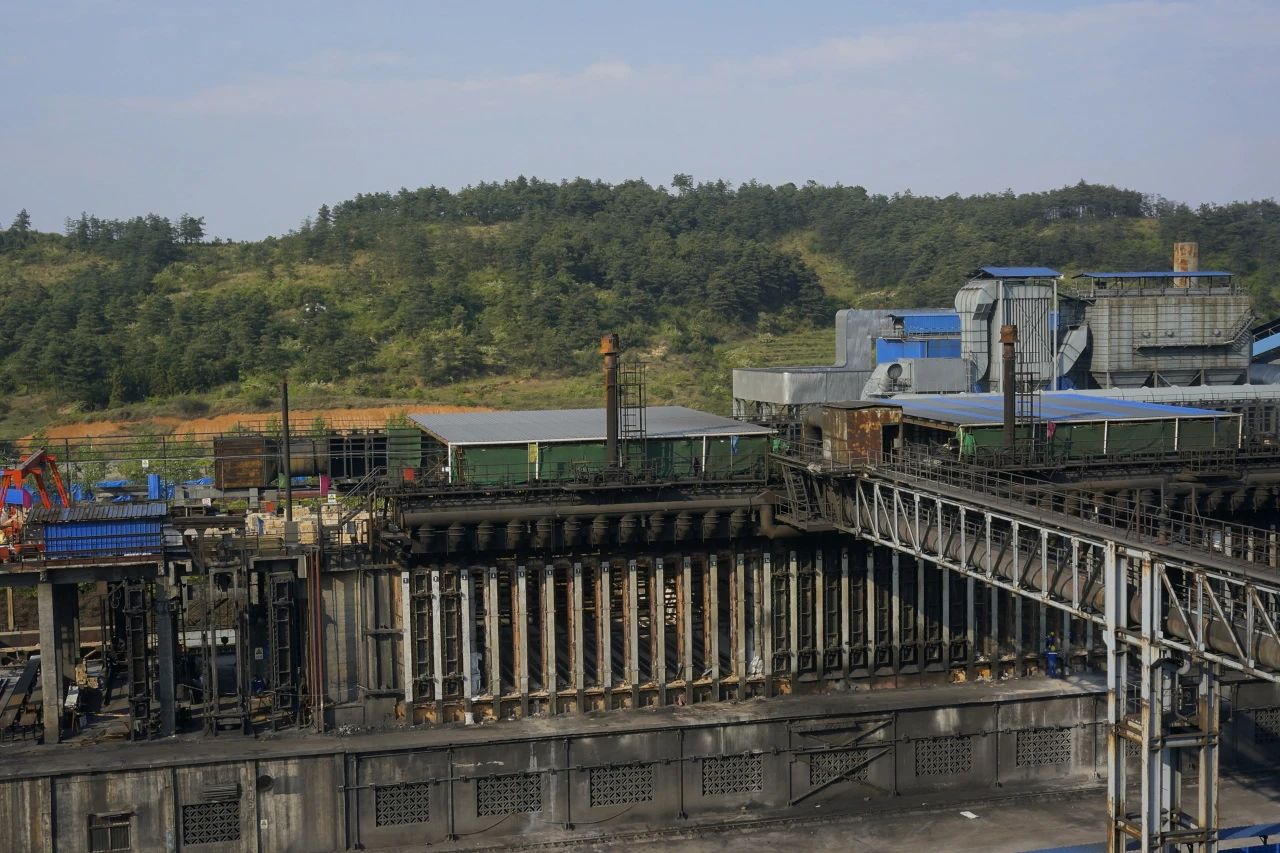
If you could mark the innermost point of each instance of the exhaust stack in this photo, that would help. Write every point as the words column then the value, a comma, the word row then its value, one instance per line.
column 609, row 349
column 1009, row 383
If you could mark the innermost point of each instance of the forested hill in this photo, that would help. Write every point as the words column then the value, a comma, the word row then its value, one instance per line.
column 405, row 295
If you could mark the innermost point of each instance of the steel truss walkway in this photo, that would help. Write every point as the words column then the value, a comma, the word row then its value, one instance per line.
column 1178, row 599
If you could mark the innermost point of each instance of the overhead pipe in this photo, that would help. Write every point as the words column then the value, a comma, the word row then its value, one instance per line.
column 438, row 518
column 763, row 503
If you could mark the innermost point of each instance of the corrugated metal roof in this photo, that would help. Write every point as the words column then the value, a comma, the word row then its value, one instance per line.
column 1156, row 274
column 99, row 512
column 1014, row 272
column 1057, row 406
column 552, row 425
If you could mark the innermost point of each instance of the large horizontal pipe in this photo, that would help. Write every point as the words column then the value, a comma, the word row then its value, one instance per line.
column 444, row 518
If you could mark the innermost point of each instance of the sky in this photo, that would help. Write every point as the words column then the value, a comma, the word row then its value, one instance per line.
column 254, row 114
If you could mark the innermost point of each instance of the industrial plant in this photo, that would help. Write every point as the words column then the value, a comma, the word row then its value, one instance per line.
column 1024, row 543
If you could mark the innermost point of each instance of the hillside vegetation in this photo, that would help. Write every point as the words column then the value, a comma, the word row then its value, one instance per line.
column 497, row 294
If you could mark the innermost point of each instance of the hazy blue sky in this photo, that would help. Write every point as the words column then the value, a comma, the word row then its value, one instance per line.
column 253, row 114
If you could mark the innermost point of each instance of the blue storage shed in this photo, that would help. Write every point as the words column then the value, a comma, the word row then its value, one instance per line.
column 99, row 530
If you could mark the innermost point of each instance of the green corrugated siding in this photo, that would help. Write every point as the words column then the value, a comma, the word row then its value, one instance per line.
column 1077, row 440
column 492, row 464
column 404, row 447
column 561, row 461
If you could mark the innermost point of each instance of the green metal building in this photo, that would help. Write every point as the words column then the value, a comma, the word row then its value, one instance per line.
column 1068, row 425
column 563, row 445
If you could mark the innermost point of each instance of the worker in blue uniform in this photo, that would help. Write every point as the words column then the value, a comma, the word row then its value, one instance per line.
column 1051, row 654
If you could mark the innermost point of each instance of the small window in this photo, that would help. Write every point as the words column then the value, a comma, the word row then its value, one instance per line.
column 109, row 832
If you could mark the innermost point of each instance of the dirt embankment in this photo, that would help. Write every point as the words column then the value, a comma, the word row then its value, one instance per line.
column 301, row 419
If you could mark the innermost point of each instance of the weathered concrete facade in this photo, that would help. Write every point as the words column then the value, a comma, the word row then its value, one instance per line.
column 566, row 776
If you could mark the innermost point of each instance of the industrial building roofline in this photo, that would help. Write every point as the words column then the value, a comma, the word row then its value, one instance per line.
column 569, row 425
column 1155, row 274
column 1055, row 406
column 1014, row 272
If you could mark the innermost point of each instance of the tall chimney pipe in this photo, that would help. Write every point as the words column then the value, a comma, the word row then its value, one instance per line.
column 1009, row 382
column 609, row 349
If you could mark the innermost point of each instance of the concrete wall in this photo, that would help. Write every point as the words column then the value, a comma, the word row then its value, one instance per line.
column 523, row 781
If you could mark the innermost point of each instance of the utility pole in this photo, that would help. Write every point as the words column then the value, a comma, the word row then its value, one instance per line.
column 288, row 460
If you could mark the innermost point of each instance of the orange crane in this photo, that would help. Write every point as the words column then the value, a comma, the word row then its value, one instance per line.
column 36, row 465
column 12, row 520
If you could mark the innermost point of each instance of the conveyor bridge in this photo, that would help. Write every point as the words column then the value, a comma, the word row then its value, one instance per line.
column 1179, row 598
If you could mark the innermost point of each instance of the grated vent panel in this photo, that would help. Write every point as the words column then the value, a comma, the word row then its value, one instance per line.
column 732, row 774
column 399, row 804
column 211, row 823
column 614, row 786
column 515, row 793
column 944, row 756
column 840, row 763
column 1266, row 725
column 1043, row 747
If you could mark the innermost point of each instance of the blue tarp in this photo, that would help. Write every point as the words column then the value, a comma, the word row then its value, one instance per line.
column 112, row 484
column 18, row 497
column 199, row 481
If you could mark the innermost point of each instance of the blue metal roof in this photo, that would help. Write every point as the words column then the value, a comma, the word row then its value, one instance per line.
column 1014, row 272
column 1158, row 274
column 1057, row 406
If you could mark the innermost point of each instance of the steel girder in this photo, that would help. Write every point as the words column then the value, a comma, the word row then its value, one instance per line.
column 1169, row 620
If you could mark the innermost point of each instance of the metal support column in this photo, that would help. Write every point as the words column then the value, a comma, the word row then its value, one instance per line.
column 166, row 621
column 895, row 615
column 467, row 616
column 579, row 672
column 406, row 640
column 741, row 652
column 549, row 636
column 846, row 639
column 520, row 632
column 820, row 613
column 764, row 595
column 604, row 594
column 872, row 608
column 493, row 636
column 631, row 614
column 793, row 623
column 711, row 586
column 686, row 627
column 658, row 621
column 437, row 645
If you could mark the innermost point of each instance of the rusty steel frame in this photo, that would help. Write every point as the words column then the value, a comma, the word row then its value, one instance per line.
column 1213, row 609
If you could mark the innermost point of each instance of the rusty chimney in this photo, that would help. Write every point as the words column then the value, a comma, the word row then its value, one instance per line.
column 609, row 349
column 1009, row 383
column 1186, row 258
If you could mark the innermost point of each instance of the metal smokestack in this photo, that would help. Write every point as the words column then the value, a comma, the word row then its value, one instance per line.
column 1009, row 382
column 609, row 349
column 1186, row 258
